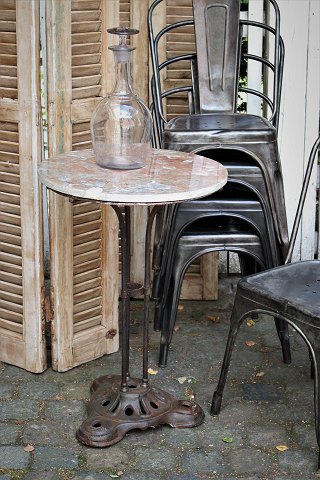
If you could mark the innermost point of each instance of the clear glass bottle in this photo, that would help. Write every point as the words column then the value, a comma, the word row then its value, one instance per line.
column 121, row 125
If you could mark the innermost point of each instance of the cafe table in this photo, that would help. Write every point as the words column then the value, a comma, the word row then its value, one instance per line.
column 122, row 403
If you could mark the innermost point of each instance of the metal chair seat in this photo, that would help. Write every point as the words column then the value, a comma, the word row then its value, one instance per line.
column 292, row 290
column 218, row 126
column 290, row 293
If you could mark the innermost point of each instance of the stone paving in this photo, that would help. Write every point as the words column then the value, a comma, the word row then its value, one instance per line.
column 265, row 429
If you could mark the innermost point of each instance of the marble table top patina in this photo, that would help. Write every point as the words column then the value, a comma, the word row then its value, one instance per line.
column 169, row 176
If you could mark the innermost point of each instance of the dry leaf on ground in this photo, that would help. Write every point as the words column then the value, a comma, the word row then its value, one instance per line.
column 29, row 448
column 152, row 372
column 182, row 379
column 250, row 322
column 282, row 448
column 250, row 343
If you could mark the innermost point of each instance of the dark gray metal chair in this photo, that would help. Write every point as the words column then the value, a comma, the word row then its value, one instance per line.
column 229, row 233
column 291, row 293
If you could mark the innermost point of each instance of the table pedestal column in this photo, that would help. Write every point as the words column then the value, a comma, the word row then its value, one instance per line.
column 121, row 403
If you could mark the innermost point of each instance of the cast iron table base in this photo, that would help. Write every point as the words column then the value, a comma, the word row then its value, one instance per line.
column 112, row 413
column 121, row 403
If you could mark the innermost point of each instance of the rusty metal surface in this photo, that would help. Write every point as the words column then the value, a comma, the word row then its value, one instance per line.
column 113, row 412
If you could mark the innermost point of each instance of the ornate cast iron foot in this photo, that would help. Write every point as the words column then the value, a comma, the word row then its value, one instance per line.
column 113, row 412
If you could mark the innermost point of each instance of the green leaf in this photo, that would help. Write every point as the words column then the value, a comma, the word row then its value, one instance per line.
column 227, row 439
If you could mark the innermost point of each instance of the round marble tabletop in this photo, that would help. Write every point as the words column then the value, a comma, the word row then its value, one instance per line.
column 169, row 176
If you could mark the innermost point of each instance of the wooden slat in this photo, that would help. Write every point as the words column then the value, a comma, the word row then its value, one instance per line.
column 85, row 277
column 81, row 207
column 8, row 37
column 87, row 324
column 11, row 278
column 83, row 38
column 88, row 314
column 86, row 70
column 11, row 248
column 86, row 92
column 88, row 294
column 85, row 48
column 11, row 288
column 179, row 3
column 85, row 257
column 86, row 286
column 87, row 227
column 8, row 48
column 87, row 247
column 85, row 15
column 85, row 5
column 80, row 82
column 80, row 60
column 7, row 26
column 83, row 27
column 10, row 325
column 10, row 208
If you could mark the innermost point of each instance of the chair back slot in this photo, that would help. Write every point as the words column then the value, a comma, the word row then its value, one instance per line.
column 217, row 42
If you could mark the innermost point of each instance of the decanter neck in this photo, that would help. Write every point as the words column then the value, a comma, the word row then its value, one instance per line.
column 123, row 77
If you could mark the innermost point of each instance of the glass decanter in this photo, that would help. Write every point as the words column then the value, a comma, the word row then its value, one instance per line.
column 121, row 125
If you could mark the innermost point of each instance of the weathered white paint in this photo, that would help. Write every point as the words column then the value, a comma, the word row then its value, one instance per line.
column 254, row 47
column 299, row 120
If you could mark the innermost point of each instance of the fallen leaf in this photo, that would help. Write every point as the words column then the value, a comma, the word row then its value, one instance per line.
column 152, row 372
column 175, row 328
column 213, row 319
column 182, row 379
column 260, row 374
column 227, row 439
column 19, row 422
column 282, row 448
column 180, row 307
column 250, row 343
column 29, row 448
column 250, row 322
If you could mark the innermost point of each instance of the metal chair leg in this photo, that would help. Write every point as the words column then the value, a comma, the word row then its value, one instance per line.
column 240, row 312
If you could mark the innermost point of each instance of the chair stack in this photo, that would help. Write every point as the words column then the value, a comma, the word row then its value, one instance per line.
column 248, row 217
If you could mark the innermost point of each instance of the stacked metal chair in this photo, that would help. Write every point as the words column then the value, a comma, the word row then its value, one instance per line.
column 290, row 292
column 246, row 144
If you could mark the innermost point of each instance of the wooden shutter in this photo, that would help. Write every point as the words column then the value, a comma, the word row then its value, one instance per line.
column 84, row 235
column 22, row 340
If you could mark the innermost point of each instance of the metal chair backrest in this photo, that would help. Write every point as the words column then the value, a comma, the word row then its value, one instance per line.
column 217, row 28
column 302, row 199
column 219, row 59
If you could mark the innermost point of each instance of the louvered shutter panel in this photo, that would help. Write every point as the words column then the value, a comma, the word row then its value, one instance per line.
column 22, row 340
column 84, row 235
